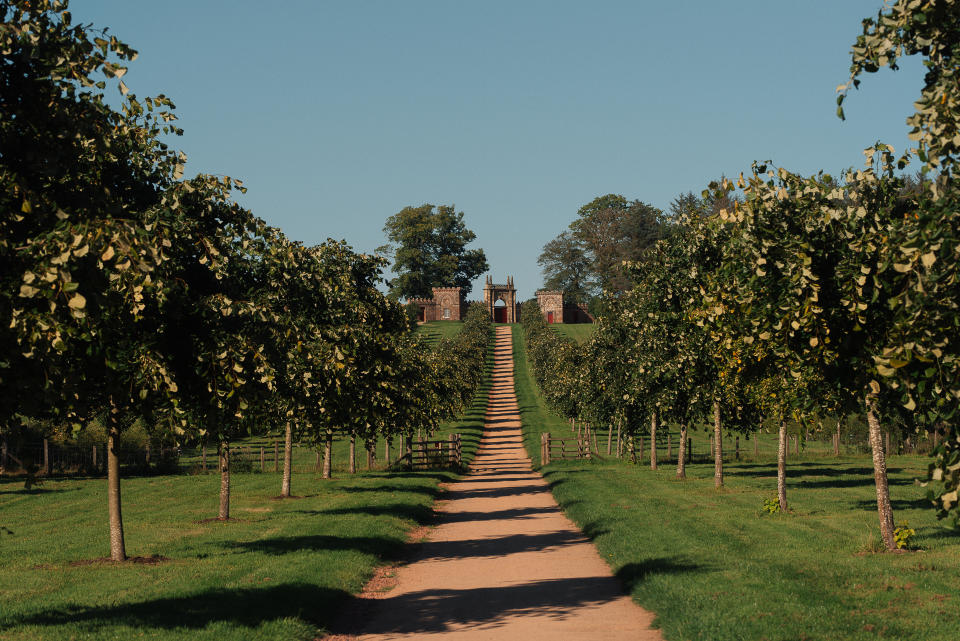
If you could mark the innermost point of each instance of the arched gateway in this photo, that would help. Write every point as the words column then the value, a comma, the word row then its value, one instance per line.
column 493, row 292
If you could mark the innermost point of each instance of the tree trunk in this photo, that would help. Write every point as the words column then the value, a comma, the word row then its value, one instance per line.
column 353, row 454
column 203, row 456
column 884, row 509
column 328, row 455
column 386, row 450
column 836, row 445
column 287, row 461
column 632, row 449
column 682, row 453
column 118, row 550
column 610, row 439
column 619, row 439
column 224, row 455
column 782, row 465
column 369, row 446
column 653, row 440
column 717, row 447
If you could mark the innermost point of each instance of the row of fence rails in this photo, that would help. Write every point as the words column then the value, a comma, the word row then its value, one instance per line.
column 553, row 448
column 431, row 454
column 48, row 458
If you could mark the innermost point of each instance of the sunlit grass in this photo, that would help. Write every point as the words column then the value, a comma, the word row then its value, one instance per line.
column 711, row 565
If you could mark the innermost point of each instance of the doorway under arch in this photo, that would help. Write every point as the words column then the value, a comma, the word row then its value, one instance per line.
column 499, row 311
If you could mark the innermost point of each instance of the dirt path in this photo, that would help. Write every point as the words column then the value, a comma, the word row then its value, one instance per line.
column 504, row 562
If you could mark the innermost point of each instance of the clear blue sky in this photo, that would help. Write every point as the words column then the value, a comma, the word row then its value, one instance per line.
column 338, row 114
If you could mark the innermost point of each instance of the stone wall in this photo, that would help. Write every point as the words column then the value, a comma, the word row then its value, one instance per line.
column 450, row 303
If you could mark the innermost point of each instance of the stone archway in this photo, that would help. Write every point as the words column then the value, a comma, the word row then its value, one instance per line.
column 494, row 292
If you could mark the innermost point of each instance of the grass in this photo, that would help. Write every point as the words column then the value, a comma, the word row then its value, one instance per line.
column 580, row 332
column 281, row 570
column 435, row 331
column 712, row 566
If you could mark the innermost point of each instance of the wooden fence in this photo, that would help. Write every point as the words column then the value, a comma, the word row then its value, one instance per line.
column 426, row 454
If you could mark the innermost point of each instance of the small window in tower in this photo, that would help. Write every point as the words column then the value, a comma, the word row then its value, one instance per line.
column 446, row 313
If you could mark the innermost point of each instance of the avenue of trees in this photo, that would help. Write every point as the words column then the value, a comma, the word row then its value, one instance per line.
column 131, row 293
column 780, row 297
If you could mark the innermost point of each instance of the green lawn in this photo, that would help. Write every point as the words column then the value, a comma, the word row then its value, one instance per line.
column 580, row 332
column 434, row 331
column 712, row 566
column 280, row 571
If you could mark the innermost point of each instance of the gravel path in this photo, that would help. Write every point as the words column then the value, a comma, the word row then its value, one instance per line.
column 503, row 561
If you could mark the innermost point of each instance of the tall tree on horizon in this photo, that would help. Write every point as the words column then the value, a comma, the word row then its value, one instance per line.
column 609, row 230
column 565, row 267
column 429, row 249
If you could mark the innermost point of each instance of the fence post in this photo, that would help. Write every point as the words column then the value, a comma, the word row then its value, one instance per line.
column 450, row 452
column 262, row 458
column 203, row 456
column 737, row 448
column 669, row 446
column 690, row 450
column 276, row 456
column 46, row 457
column 756, row 446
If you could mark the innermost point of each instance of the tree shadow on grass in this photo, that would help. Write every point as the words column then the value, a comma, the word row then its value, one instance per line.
column 21, row 490
column 632, row 574
column 244, row 607
column 381, row 547
column 897, row 504
column 420, row 514
column 799, row 470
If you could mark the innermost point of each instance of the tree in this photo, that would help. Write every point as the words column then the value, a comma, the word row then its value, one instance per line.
column 565, row 267
column 429, row 246
column 921, row 361
column 84, row 231
column 587, row 257
column 612, row 230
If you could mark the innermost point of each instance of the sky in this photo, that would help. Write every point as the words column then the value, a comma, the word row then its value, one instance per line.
column 337, row 114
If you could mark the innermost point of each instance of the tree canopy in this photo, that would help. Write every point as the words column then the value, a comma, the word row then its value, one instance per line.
column 429, row 247
column 587, row 258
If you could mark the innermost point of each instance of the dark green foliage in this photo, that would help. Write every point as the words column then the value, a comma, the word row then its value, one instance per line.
column 429, row 246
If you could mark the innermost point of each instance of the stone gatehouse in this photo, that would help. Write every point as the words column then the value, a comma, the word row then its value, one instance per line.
column 555, row 310
column 448, row 303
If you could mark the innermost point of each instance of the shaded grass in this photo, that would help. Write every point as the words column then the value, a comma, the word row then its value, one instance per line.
column 711, row 566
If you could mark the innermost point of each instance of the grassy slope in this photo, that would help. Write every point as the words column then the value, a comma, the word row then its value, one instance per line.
column 434, row 331
column 712, row 567
column 280, row 572
column 580, row 332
